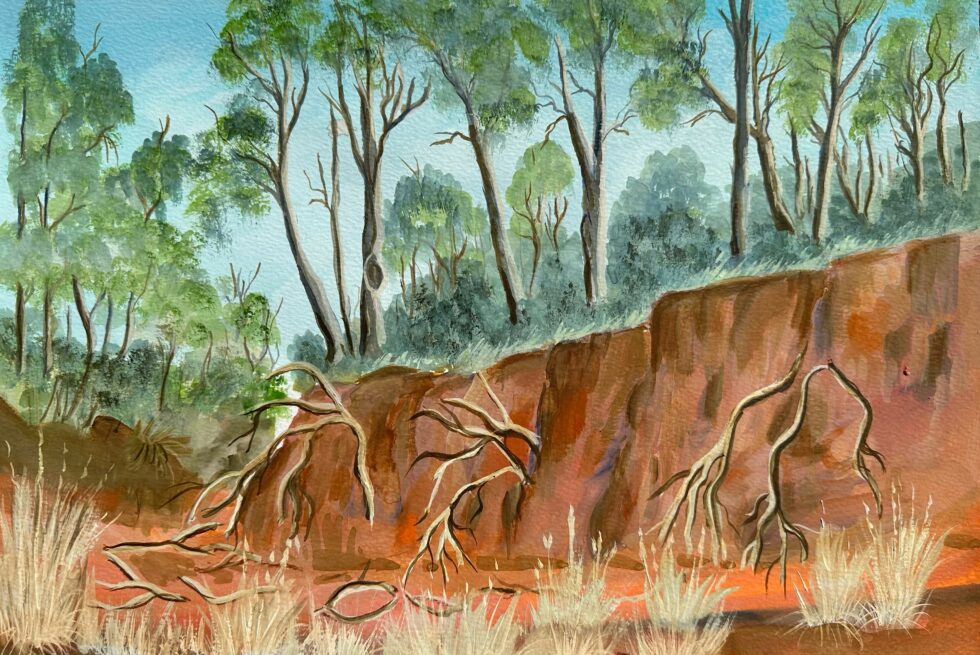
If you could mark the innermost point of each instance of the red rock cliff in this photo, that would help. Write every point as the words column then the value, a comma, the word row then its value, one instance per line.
column 620, row 412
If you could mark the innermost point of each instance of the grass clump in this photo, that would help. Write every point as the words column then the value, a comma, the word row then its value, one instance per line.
column 44, row 544
column 258, row 623
column 329, row 639
column 575, row 595
column 474, row 630
column 684, row 607
column 137, row 633
column 834, row 594
column 900, row 564
column 707, row 638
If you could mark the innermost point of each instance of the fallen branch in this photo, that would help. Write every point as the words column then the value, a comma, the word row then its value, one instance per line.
column 213, row 599
column 133, row 581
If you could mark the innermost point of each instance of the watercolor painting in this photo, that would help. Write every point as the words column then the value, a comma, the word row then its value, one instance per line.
column 490, row 327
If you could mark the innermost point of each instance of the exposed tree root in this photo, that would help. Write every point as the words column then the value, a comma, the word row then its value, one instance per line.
column 290, row 493
column 133, row 581
column 352, row 589
column 706, row 475
column 440, row 540
column 441, row 536
column 773, row 511
column 213, row 599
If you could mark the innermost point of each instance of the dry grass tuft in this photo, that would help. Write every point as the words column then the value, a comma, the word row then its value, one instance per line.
column 576, row 595
column 706, row 639
column 330, row 639
column 479, row 630
column 900, row 565
column 136, row 633
column 256, row 624
column 679, row 600
column 44, row 545
column 556, row 639
column 833, row 596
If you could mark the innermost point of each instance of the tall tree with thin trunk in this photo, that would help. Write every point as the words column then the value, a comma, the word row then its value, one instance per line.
column 681, row 80
column 950, row 34
column 475, row 48
column 599, row 33
column 898, row 93
column 964, row 155
column 356, row 43
column 266, row 49
column 827, row 45
column 739, row 22
column 63, row 104
column 330, row 199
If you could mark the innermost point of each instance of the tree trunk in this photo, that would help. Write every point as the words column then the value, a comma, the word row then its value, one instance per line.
column 942, row 150
column 167, row 364
column 828, row 148
column 918, row 168
column 799, row 176
column 20, row 332
column 20, row 307
column 506, row 267
column 741, row 31
column 128, row 329
column 47, row 335
column 373, row 276
column 595, row 210
column 323, row 314
column 108, row 327
column 86, row 319
column 334, row 211
column 964, row 155
column 773, row 186
column 872, row 174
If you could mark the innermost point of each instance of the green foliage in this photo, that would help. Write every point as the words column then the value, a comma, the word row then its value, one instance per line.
column 671, row 80
column 479, row 50
column 811, row 64
column 659, row 229
column 264, row 31
column 431, row 222
column 545, row 170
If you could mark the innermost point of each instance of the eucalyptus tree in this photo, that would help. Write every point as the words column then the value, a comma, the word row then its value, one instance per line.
column 827, row 45
column 267, row 48
column 600, row 33
column 480, row 50
column 433, row 223
column 146, row 186
column 897, row 92
column 950, row 34
column 681, row 80
column 63, row 105
column 356, row 42
column 536, row 196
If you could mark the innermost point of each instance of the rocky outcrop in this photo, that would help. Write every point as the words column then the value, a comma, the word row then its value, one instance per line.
column 620, row 412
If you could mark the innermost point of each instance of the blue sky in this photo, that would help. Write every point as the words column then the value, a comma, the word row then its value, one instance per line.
column 163, row 51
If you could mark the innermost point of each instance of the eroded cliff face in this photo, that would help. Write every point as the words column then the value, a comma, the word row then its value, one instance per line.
column 619, row 413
